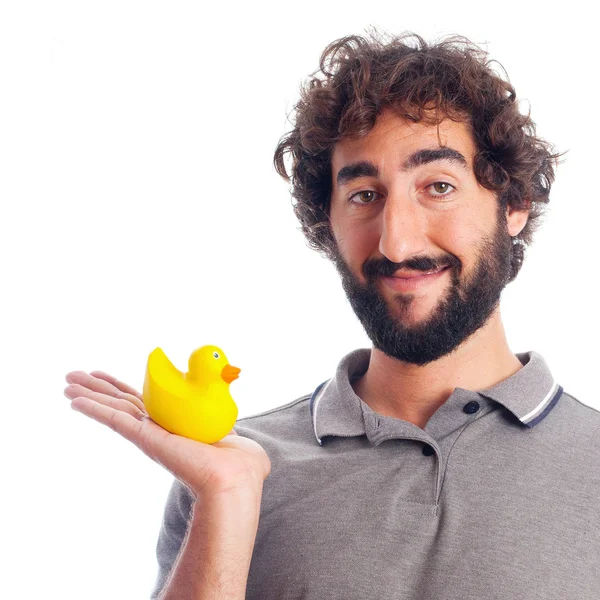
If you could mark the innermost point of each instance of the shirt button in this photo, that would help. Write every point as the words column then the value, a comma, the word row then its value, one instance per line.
column 471, row 407
column 428, row 450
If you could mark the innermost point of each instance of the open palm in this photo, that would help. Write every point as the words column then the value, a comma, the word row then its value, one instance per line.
column 233, row 463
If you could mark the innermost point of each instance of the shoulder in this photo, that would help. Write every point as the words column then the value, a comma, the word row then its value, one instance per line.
column 583, row 415
column 289, row 423
column 575, row 425
column 284, row 413
column 288, row 418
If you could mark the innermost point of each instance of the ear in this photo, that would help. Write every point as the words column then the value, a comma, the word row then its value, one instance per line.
column 516, row 219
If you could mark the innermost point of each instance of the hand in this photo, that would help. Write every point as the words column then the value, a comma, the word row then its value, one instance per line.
column 231, row 465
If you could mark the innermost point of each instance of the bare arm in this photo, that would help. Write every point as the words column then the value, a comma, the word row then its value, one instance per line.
column 215, row 557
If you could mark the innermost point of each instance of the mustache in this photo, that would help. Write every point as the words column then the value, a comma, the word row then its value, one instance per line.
column 382, row 267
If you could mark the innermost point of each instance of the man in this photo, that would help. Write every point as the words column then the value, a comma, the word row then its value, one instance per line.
column 437, row 464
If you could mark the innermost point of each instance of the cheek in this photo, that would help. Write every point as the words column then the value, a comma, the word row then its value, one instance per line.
column 461, row 237
column 356, row 241
column 456, row 238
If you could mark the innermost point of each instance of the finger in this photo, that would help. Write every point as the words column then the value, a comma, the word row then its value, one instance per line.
column 120, row 385
column 147, row 435
column 75, row 390
column 126, row 425
column 106, row 386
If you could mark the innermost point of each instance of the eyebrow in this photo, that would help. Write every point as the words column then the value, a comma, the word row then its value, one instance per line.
column 366, row 168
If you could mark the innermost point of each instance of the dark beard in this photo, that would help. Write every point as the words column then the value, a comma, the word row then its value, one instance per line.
column 465, row 309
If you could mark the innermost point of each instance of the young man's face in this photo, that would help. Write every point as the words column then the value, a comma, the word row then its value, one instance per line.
column 422, row 211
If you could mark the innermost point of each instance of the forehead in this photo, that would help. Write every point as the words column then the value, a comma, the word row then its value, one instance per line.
column 394, row 138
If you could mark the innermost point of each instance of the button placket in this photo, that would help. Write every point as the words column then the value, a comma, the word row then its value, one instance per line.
column 445, row 426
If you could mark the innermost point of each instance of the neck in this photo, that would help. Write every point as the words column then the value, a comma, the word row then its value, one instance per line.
column 413, row 393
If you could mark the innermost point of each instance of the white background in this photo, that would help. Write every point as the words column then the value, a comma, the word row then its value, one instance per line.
column 140, row 208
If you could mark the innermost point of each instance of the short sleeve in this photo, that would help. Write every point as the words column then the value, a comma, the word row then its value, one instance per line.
column 176, row 518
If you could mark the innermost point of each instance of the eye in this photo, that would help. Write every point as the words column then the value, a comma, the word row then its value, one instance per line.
column 216, row 354
column 442, row 188
column 369, row 201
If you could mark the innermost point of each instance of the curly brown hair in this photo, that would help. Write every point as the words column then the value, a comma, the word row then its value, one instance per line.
column 421, row 82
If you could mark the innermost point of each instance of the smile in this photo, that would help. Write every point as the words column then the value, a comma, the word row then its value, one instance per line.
column 413, row 283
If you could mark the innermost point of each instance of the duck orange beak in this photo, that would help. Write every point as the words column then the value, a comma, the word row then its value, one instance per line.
column 229, row 373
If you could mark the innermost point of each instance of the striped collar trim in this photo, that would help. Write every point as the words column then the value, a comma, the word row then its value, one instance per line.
column 530, row 394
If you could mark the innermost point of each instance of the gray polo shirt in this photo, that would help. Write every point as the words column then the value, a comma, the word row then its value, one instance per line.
column 498, row 497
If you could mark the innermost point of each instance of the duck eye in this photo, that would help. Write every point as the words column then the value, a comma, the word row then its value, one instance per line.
column 216, row 354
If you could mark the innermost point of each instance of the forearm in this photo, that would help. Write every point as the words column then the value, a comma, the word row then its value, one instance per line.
column 215, row 558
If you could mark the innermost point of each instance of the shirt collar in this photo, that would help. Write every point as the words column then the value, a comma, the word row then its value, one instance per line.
column 529, row 394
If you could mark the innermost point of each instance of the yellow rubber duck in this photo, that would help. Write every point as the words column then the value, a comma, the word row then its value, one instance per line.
column 196, row 404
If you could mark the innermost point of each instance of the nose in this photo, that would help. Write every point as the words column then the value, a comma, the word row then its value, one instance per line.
column 402, row 229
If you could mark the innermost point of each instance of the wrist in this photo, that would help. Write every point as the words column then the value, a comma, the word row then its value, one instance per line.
column 232, row 504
